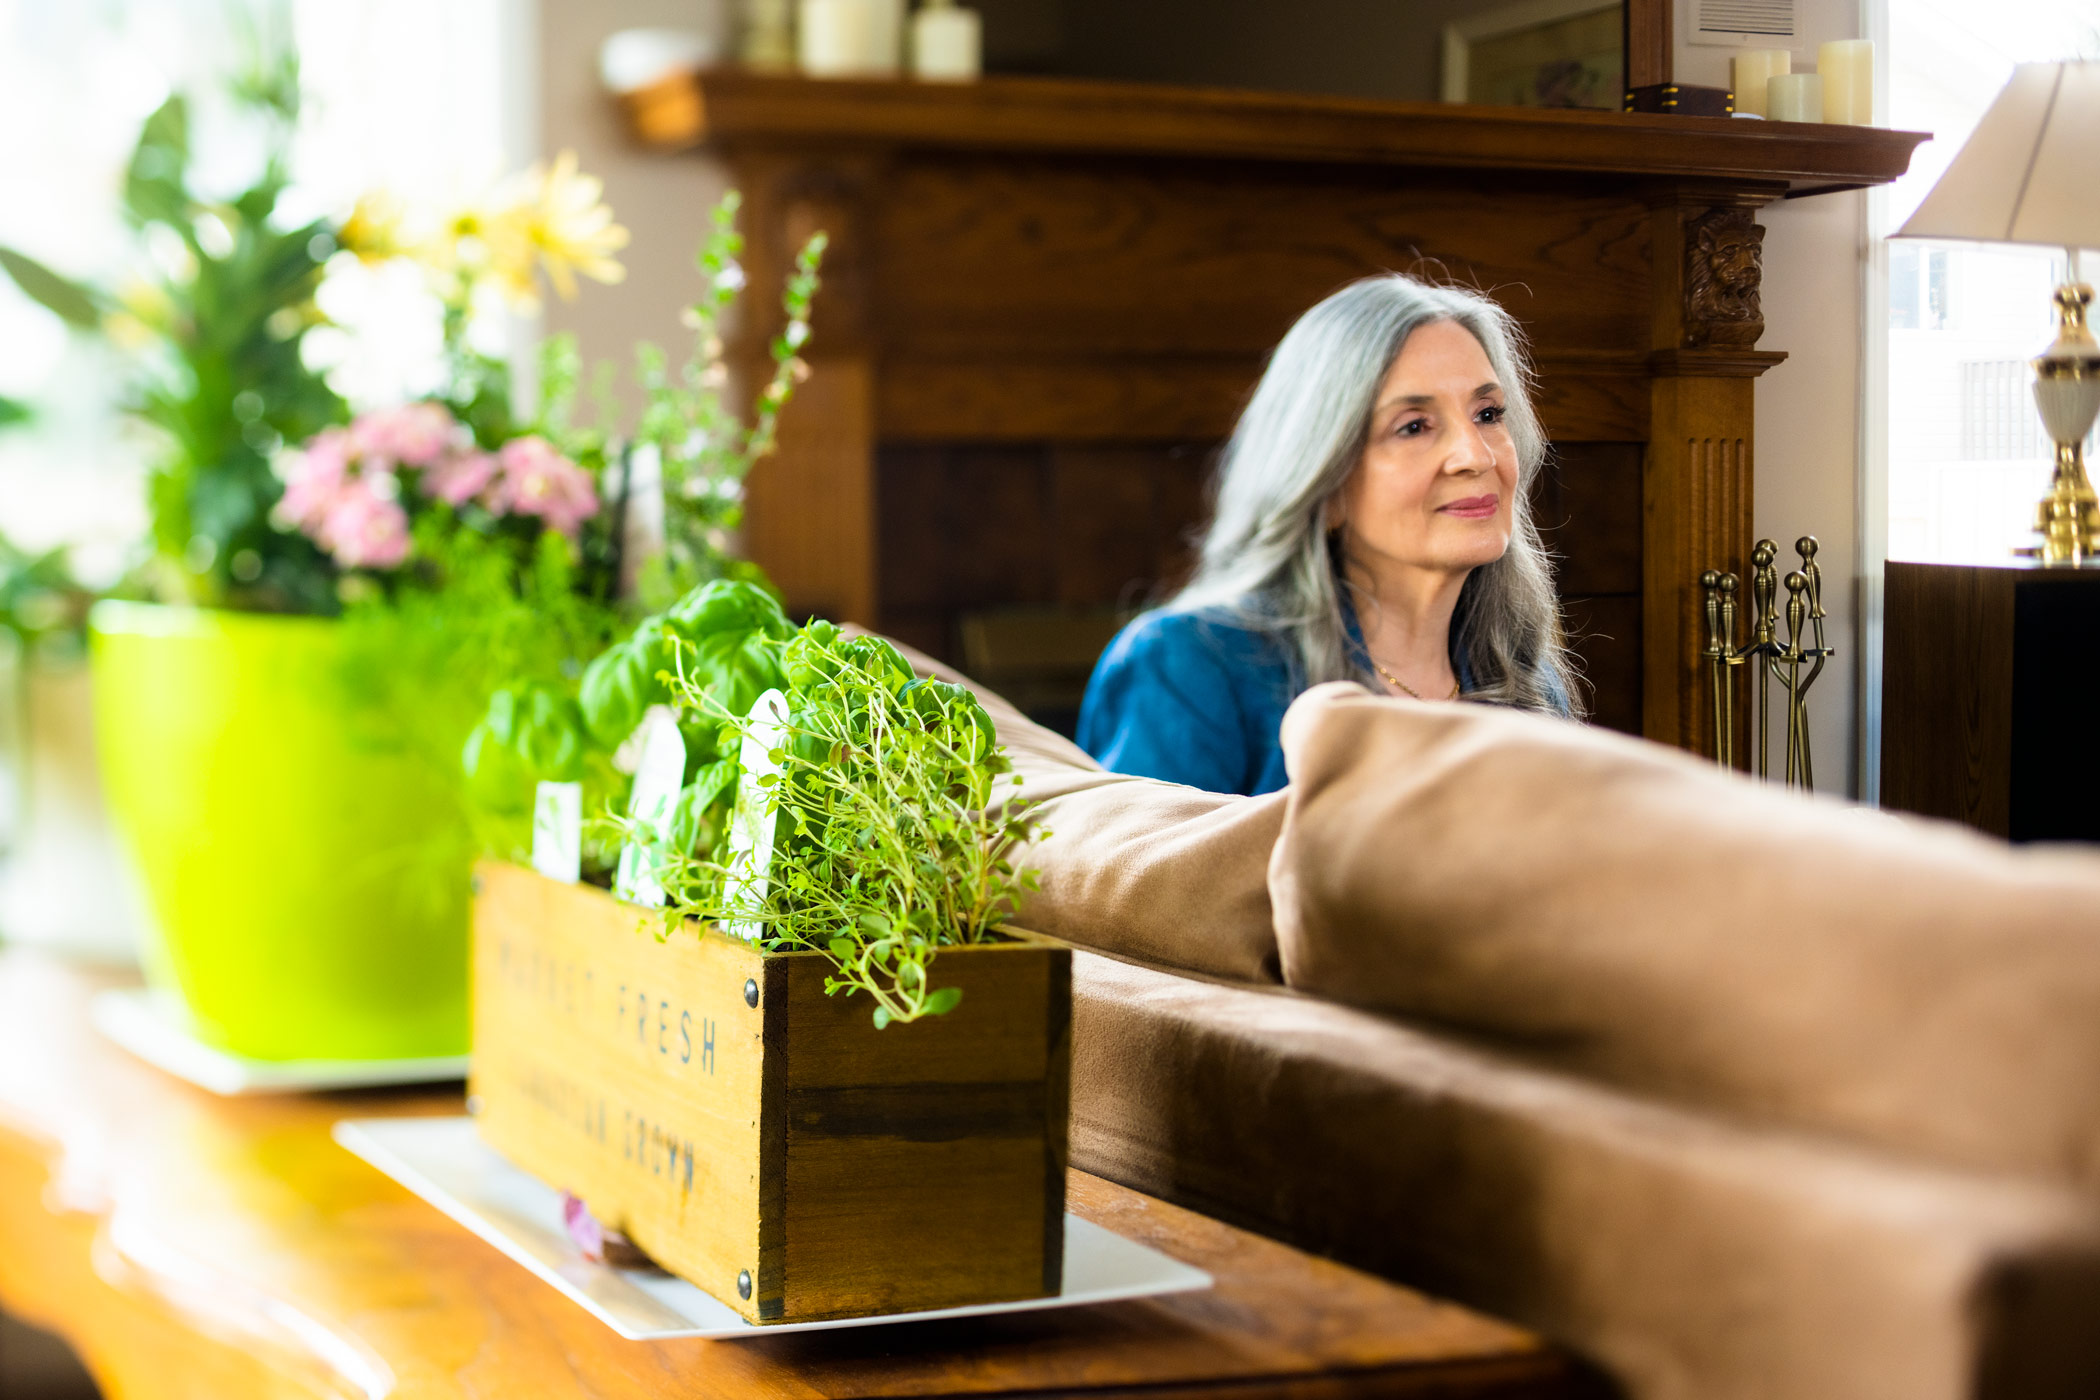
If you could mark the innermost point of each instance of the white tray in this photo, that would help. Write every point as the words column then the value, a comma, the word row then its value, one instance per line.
column 444, row 1161
column 143, row 1023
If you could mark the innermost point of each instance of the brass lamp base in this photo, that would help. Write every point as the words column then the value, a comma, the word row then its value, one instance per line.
column 2068, row 518
column 2067, row 392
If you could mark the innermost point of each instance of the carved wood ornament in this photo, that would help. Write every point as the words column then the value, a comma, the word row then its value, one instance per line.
column 1723, row 268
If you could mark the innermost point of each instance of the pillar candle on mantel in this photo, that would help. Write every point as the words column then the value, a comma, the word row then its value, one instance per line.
column 947, row 43
column 1753, row 69
column 837, row 38
column 886, row 41
column 1794, row 97
column 1846, row 67
column 769, row 35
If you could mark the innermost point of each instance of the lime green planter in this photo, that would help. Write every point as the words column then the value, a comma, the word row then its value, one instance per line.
column 308, row 872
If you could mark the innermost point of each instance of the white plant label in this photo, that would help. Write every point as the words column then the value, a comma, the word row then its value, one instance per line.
column 752, row 823
column 659, row 773
column 557, row 831
column 628, row 757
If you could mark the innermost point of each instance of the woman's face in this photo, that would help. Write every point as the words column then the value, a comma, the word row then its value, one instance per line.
column 1438, row 479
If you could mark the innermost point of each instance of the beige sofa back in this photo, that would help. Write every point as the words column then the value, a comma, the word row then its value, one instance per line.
column 1624, row 911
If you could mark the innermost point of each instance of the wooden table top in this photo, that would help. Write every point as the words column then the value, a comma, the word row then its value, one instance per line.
column 191, row 1246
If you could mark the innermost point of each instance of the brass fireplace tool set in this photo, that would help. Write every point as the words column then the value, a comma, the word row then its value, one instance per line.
column 1804, row 622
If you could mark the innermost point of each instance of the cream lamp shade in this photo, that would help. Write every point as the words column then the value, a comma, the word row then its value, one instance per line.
column 2030, row 172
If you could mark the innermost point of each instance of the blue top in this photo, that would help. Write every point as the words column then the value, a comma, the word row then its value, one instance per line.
column 1193, row 698
column 1197, row 698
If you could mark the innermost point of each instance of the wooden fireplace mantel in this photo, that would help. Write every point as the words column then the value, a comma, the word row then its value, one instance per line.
column 1052, row 116
column 1047, row 300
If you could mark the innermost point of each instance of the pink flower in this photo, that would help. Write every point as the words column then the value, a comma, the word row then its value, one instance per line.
column 364, row 528
column 458, row 478
column 537, row 480
column 313, row 477
column 411, row 435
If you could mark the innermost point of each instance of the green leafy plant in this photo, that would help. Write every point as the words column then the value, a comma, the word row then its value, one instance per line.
column 424, row 662
column 41, row 602
column 704, row 449
column 231, row 385
column 542, row 729
column 887, row 844
column 219, row 329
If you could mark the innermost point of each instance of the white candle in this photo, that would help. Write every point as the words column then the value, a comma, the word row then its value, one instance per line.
column 836, row 37
column 946, row 43
column 769, row 34
column 1847, row 69
column 886, row 37
column 1794, row 97
column 1753, row 69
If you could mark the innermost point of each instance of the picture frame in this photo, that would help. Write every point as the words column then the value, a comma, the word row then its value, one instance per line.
column 1537, row 53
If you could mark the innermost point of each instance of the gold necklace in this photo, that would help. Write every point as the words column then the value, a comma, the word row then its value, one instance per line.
column 1404, row 685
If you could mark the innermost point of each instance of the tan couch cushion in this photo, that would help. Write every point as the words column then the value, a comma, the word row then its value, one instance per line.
column 1694, row 1260
column 1626, row 911
column 1170, row 875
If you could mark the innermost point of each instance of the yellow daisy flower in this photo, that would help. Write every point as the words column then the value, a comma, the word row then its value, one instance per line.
column 374, row 229
column 560, row 223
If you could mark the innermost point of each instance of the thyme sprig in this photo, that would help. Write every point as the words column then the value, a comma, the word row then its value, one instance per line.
column 887, row 846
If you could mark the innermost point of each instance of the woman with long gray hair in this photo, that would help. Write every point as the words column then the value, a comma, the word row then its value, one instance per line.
column 1371, row 524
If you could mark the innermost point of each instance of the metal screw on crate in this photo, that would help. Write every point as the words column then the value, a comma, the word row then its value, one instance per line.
column 750, row 992
column 743, row 1284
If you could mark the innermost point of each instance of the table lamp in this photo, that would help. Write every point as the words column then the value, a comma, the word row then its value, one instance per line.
column 2030, row 173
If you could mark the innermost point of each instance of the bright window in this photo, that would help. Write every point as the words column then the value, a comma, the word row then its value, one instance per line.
column 1966, row 457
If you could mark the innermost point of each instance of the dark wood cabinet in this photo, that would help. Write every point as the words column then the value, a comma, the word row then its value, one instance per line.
column 1988, row 679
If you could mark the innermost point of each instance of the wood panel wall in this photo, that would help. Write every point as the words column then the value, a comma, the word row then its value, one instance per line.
column 971, row 527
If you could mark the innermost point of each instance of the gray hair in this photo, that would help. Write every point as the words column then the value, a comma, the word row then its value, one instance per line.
column 1266, row 559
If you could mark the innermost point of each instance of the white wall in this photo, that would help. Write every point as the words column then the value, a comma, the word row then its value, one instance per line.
column 662, row 200
column 1808, row 409
column 1808, row 418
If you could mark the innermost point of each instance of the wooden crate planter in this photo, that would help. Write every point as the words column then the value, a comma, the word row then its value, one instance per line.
column 759, row 1138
